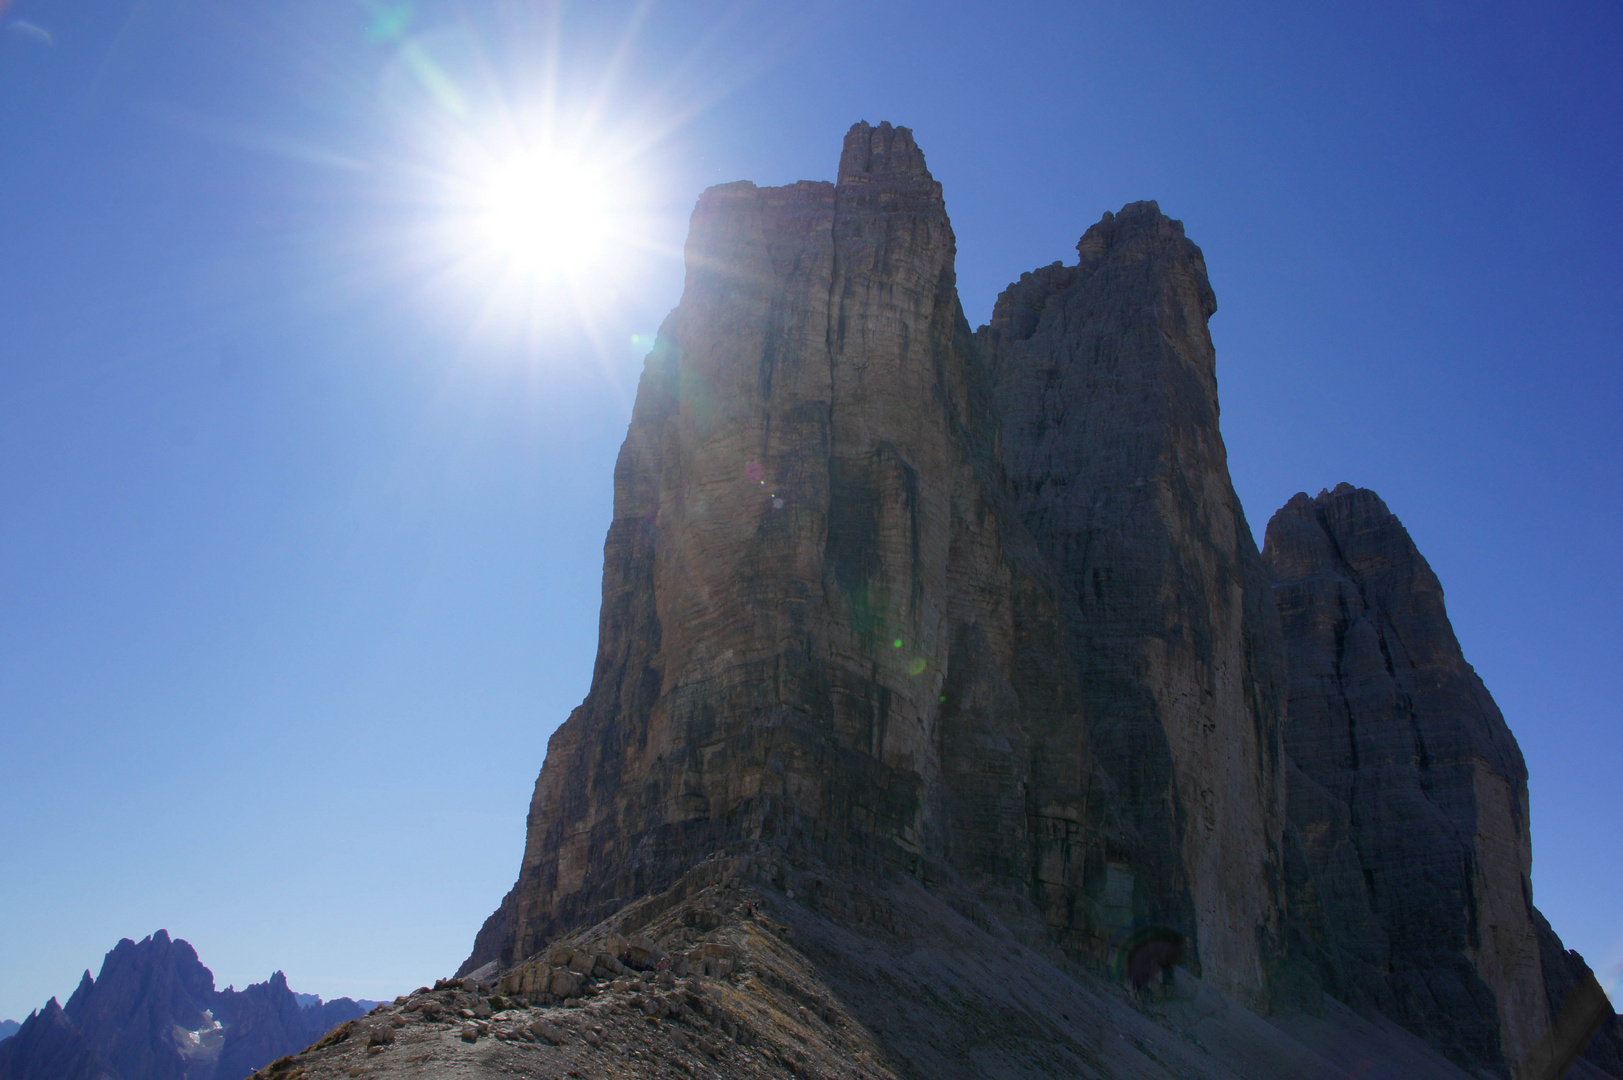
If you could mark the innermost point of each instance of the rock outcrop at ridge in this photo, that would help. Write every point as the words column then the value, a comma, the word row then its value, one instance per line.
column 1568, row 980
column 153, row 1014
column 1106, row 388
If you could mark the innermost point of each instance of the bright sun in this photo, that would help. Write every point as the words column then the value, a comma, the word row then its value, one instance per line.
column 543, row 213
column 534, row 225
column 533, row 201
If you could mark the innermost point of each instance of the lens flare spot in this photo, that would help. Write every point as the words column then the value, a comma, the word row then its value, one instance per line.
column 917, row 666
column 390, row 23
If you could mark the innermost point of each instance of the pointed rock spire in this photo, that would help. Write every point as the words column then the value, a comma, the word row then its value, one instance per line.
column 1403, row 752
column 882, row 152
column 813, row 590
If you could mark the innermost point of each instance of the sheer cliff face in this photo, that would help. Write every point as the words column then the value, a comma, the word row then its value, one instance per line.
column 1411, row 796
column 817, row 618
column 987, row 607
column 826, row 617
column 1106, row 385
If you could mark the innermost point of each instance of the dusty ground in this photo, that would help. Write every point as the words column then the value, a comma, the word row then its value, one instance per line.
column 756, row 969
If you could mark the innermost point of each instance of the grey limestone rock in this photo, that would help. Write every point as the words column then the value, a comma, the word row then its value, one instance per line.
column 1106, row 388
column 1410, row 795
column 982, row 613
column 821, row 621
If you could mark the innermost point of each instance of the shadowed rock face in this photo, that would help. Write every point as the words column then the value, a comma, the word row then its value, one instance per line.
column 824, row 617
column 820, row 619
column 1106, row 387
column 49, row 1045
column 131, row 1013
column 1411, row 797
column 263, row 1022
column 1564, row 972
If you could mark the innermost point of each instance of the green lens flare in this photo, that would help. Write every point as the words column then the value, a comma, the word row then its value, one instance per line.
column 390, row 23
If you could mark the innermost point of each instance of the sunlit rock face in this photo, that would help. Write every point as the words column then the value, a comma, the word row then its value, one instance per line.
column 1106, row 387
column 821, row 622
column 1410, row 802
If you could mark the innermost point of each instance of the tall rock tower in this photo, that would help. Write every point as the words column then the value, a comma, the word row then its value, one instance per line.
column 1410, row 796
column 821, row 621
column 1106, row 385
column 830, row 618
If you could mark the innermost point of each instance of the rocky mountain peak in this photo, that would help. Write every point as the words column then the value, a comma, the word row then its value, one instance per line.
column 826, row 625
column 806, row 581
column 955, row 653
column 1411, row 800
column 153, row 1014
column 1135, row 220
column 1104, row 379
column 81, row 993
column 880, row 154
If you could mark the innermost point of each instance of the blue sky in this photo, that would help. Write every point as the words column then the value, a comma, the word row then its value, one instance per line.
column 304, row 502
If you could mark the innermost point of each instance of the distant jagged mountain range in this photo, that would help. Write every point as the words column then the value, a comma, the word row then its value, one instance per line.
column 153, row 1014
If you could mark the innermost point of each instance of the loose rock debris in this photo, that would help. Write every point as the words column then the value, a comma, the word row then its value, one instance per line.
column 687, row 995
column 751, row 969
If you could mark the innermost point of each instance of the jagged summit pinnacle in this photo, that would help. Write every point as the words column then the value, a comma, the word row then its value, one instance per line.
column 1132, row 219
column 881, row 151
